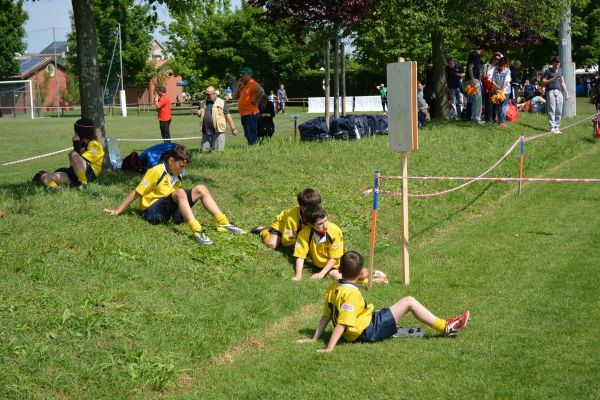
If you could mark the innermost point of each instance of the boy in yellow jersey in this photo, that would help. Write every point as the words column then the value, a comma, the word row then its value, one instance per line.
column 85, row 159
column 356, row 321
column 162, row 198
column 288, row 223
column 323, row 241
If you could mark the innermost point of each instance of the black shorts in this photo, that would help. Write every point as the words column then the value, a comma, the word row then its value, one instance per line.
column 382, row 326
column 89, row 173
column 162, row 210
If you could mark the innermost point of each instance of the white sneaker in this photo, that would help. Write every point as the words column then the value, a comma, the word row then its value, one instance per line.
column 557, row 130
column 552, row 130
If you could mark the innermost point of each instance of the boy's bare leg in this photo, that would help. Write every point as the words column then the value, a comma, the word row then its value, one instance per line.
column 409, row 303
column 335, row 274
column 273, row 242
column 200, row 192
column 180, row 197
column 60, row 178
column 77, row 162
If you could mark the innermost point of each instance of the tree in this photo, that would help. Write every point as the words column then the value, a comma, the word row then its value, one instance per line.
column 335, row 18
column 12, row 19
column 212, row 44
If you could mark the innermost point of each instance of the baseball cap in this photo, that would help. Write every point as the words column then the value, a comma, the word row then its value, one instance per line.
column 246, row 70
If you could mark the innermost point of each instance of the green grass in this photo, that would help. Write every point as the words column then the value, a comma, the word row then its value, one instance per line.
column 97, row 307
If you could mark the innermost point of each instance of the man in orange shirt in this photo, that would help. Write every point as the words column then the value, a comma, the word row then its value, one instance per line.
column 248, row 93
column 163, row 107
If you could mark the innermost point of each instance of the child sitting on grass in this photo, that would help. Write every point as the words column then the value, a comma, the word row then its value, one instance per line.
column 356, row 321
column 323, row 241
column 85, row 159
column 288, row 223
column 161, row 197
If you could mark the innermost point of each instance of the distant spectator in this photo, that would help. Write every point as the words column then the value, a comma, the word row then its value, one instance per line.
column 556, row 92
column 454, row 74
column 488, row 88
column 383, row 94
column 282, row 97
column 248, row 93
column 538, row 102
column 473, row 76
column 214, row 118
column 528, row 90
column 515, row 79
column 501, row 79
column 422, row 105
column 228, row 93
column 266, row 127
column 163, row 108
column 429, row 89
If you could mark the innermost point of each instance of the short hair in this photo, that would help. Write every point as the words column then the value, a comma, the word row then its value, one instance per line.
column 162, row 89
column 309, row 197
column 85, row 129
column 351, row 264
column 503, row 62
column 449, row 59
column 556, row 59
column 313, row 213
column 179, row 153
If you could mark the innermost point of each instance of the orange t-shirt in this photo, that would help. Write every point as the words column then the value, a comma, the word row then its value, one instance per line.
column 247, row 94
column 164, row 108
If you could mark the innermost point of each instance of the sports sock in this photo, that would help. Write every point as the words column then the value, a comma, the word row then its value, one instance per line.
column 265, row 233
column 52, row 185
column 80, row 173
column 221, row 219
column 439, row 325
column 194, row 225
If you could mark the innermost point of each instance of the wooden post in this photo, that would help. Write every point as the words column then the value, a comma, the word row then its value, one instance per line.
column 327, row 66
column 403, row 135
column 374, row 227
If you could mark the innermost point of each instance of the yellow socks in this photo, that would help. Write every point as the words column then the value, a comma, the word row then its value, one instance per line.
column 80, row 173
column 221, row 219
column 194, row 225
column 52, row 185
column 439, row 325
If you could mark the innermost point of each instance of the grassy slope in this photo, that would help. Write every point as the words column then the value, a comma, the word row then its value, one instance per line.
column 86, row 312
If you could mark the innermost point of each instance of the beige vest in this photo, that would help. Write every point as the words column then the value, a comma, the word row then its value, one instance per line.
column 218, row 116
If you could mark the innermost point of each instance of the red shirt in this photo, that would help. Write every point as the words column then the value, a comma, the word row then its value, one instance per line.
column 248, row 94
column 164, row 107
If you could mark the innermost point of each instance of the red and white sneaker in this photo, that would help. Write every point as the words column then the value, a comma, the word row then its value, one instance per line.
column 453, row 324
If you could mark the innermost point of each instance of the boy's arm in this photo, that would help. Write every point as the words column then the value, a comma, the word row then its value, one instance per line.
column 318, row 332
column 325, row 270
column 133, row 196
column 298, row 268
column 338, row 331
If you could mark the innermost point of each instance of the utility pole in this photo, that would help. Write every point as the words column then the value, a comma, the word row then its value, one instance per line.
column 55, row 73
column 122, row 97
column 566, row 60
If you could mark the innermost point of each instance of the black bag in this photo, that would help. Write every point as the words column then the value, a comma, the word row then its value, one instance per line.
column 132, row 163
column 314, row 129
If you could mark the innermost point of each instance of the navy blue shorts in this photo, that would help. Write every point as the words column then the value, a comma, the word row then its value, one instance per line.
column 164, row 209
column 89, row 173
column 382, row 326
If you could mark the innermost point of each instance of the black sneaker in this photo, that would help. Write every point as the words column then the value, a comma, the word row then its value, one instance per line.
column 38, row 177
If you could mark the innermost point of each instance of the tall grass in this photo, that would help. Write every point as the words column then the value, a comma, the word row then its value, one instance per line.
column 96, row 307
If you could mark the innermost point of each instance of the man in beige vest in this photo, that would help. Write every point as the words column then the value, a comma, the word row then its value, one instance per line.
column 214, row 117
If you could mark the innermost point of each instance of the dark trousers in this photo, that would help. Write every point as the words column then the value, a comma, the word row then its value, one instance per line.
column 488, row 107
column 165, row 133
column 384, row 103
column 250, row 125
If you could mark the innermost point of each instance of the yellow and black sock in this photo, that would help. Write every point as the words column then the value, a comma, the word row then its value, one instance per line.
column 439, row 325
column 221, row 219
column 194, row 225
column 52, row 185
column 265, row 233
column 80, row 173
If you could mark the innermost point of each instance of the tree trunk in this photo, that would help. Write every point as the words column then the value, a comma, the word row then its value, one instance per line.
column 343, row 82
column 90, row 87
column 327, row 68
column 336, row 74
column 437, row 47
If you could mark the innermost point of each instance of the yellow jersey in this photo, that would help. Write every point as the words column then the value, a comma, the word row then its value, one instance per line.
column 156, row 184
column 320, row 248
column 344, row 304
column 288, row 223
column 94, row 154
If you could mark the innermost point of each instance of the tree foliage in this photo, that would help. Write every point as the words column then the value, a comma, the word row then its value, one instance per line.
column 12, row 19
column 136, row 28
column 211, row 45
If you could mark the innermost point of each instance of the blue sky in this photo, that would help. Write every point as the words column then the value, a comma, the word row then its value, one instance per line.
column 45, row 14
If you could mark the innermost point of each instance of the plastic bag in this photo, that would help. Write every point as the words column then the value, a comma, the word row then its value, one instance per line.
column 114, row 153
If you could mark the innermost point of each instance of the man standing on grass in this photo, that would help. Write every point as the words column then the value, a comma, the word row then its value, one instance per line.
column 383, row 94
column 163, row 108
column 214, row 116
column 473, row 77
column 248, row 93
column 556, row 92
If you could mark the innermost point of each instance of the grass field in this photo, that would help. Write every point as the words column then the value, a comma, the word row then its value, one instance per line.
column 98, row 307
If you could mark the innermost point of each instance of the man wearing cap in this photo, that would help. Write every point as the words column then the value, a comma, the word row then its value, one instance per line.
column 214, row 117
column 248, row 93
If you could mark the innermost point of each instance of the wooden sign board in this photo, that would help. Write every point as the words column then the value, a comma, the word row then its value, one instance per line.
column 402, row 106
